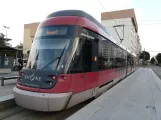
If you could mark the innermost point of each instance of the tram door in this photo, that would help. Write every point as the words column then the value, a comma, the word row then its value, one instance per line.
column 91, row 63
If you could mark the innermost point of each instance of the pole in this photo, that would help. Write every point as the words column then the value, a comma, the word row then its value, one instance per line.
column 6, row 30
column 6, row 33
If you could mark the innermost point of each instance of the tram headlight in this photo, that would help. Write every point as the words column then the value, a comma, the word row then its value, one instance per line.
column 54, row 77
column 64, row 78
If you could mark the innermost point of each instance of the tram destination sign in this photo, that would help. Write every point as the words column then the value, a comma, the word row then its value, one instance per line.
column 52, row 31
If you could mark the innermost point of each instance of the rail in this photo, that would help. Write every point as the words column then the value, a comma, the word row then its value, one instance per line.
column 7, row 78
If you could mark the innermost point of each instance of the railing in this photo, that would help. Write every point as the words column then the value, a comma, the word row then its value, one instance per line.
column 7, row 78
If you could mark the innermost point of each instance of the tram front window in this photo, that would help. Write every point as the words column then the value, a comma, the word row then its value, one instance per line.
column 48, row 49
column 46, row 53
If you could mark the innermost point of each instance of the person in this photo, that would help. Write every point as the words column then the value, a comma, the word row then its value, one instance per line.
column 20, row 60
column 20, row 63
column 16, row 65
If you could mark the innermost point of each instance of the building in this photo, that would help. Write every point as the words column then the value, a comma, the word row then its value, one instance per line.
column 29, row 32
column 123, row 27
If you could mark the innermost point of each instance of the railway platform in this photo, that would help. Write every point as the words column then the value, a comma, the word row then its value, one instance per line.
column 8, row 87
column 6, row 95
column 9, row 84
column 137, row 97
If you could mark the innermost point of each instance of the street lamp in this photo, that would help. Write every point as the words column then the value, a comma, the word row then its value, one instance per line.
column 6, row 30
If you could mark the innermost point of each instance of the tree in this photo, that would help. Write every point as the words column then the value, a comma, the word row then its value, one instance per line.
column 145, row 55
column 152, row 60
column 158, row 57
column 2, row 40
column 20, row 46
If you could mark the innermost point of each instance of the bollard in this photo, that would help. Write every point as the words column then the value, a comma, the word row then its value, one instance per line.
column 2, row 81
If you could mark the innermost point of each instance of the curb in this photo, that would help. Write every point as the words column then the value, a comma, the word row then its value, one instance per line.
column 3, row 73
column 7, row 102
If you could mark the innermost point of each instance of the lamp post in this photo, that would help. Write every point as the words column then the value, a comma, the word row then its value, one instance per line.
column 6, row 30
column 6, row 35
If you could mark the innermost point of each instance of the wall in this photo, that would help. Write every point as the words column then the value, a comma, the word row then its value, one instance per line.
column 6, row 62
column 29, row 30
column 27, row 41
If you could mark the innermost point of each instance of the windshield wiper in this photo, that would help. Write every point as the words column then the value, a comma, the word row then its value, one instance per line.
column 57, row 58
column 51, row 62
column 61, row 55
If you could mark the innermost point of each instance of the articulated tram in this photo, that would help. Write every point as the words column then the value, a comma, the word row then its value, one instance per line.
column 72, row 59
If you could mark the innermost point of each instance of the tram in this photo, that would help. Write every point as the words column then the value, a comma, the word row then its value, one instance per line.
column 72, row 59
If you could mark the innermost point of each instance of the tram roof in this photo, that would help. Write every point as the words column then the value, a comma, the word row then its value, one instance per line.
column 77, row 13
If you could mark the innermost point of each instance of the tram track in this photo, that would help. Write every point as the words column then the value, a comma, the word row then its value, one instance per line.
column 19, row 113
column 10, row 112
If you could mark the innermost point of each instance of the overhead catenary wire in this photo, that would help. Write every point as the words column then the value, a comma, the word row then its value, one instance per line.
column 108, row 14
column 140, row 25
column 159, row 51
column 115, row 21
column 138, row 20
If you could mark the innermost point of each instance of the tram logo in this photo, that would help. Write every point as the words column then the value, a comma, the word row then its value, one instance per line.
column 33, row 77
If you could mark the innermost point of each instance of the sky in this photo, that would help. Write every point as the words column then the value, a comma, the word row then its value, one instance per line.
column 16, row 13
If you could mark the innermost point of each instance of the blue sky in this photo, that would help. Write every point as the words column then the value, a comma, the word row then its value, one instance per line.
column 150, row 9
column 19, row 12
column 148, row 13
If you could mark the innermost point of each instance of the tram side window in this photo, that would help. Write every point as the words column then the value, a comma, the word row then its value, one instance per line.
column 117, row 56
column 110, row 55
column 100, row 58
column 129, row 59
column 78, row 61
column 124, row 57
column 113, row 56
column 103, row 58
column 117, row 59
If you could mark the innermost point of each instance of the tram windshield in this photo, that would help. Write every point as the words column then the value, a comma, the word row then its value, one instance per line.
column 49, row 46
